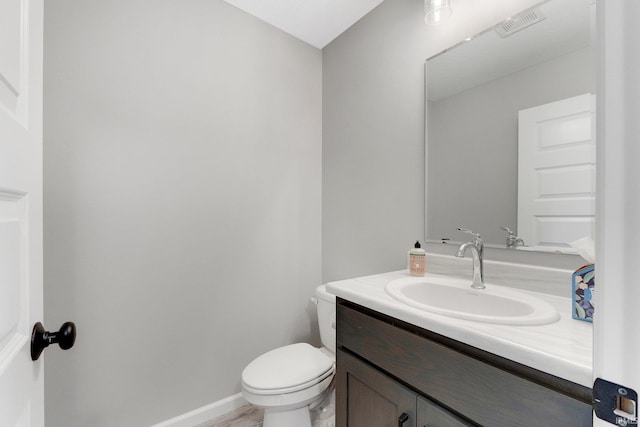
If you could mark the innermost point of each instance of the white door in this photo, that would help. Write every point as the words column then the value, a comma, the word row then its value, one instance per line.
column 21, row 379
column 616, row 357
column 557, row 172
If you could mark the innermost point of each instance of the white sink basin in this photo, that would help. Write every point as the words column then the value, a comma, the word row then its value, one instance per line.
column 455, row 298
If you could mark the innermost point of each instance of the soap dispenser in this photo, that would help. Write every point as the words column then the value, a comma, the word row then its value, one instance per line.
column 417, row 260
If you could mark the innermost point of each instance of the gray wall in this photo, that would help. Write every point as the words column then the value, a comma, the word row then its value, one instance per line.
column 473, row 146
column 373, row 143
column 182, row 203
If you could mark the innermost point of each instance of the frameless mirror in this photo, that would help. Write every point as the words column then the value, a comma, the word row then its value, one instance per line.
column 510, row 138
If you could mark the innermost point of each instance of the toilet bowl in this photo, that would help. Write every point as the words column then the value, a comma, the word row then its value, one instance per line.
column 293, row 380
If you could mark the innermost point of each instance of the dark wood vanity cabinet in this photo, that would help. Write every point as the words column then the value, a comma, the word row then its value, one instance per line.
column 391, row 373
column 375, row 400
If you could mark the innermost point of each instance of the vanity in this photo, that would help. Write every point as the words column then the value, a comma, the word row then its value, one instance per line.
column 398, row 365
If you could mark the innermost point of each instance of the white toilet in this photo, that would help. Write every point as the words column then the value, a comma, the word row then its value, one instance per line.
column 291, row 381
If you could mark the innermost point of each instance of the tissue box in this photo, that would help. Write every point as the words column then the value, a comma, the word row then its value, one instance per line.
column 583, row 282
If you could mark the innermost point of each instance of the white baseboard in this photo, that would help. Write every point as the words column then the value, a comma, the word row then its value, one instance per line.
column 205, row 413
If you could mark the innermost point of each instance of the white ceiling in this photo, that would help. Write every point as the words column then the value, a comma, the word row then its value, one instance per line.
column 316, row 22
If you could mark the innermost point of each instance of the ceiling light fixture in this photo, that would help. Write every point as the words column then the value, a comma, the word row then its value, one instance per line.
column 436, row 11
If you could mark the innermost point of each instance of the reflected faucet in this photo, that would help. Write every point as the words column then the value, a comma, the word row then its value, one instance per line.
column 477, row 252
column 513, row 241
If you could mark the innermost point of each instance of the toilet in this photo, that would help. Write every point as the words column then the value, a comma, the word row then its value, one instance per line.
column 291, row 382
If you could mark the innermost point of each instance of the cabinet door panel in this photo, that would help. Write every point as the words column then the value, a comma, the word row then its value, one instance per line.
column 431, row 415
column 368, row 398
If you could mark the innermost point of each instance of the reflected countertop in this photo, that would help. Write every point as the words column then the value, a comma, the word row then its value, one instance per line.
column 563, row 348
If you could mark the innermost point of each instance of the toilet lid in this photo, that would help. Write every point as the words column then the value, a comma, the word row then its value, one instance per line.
column 289, row 367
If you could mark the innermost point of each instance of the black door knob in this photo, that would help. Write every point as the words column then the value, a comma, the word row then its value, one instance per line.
column 41, row 339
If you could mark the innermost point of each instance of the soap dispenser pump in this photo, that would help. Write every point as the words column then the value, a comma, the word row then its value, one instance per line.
column 417, row 260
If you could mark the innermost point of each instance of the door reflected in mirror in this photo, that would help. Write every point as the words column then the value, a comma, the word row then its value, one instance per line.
column 480, row 96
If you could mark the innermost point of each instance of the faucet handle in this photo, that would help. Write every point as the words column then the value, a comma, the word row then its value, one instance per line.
column 466, row 230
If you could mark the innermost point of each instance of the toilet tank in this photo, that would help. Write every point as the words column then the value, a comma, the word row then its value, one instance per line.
column 326, row 305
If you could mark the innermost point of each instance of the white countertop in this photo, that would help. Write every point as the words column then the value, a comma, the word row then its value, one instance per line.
column 563, row 348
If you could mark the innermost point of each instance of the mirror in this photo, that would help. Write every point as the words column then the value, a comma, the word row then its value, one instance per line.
column 479, row 96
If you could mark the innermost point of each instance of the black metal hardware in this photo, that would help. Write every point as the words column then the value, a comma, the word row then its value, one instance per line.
column 403, row 418
column 41, row 339
column 615, row 403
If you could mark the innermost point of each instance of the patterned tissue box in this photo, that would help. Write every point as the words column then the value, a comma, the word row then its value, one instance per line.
column 583, row 293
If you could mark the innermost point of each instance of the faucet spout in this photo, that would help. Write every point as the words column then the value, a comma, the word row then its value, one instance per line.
column 477, row 248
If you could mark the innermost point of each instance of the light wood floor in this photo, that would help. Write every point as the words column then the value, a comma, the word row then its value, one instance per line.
column 245, row 416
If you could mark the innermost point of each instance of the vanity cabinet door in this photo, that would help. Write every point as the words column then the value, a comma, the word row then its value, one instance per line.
column 430, row 414
column 366, row 397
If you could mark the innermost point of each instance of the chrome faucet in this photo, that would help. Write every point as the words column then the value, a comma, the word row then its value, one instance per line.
column 513, row 240
column 477, row 252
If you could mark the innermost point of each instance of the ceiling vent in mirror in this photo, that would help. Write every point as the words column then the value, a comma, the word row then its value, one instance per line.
column 519, row 22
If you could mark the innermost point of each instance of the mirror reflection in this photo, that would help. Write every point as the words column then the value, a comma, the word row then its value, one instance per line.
column 510, row 131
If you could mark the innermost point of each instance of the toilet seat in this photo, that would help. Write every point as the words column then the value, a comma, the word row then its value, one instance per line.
column 287, row 370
